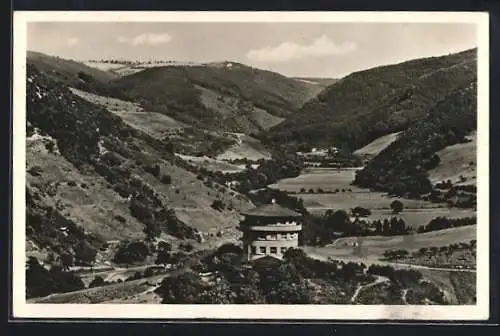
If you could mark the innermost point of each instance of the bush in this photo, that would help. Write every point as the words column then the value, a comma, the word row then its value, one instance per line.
column 188, row 247
column 111, row 158
column 217, row 205
column 166, row 179
column 360, row 211
column 97, row 282
column 153, row 170
column 397, row 206
column 35, row 171
column 129, row 253
column 42, row 282
column 121, row 219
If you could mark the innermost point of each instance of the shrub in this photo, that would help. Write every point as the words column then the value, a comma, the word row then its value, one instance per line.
column 397, row 206
column 217, row 205
column 121, row 219
column 166, row 179
column 97, row 282
column 132, row 252
column 35, row 171
column 111, row 158
column 153, row 170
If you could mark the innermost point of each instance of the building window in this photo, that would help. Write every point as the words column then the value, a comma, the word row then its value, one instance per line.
column 283, row 250
column 262, row 249
column 274, row 250
column 254, row 250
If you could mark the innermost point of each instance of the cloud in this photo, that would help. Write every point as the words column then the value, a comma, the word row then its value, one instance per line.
column 287, row 51
column 147, row 38
column 72, row 41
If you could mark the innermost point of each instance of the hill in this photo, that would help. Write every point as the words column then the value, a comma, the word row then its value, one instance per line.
column 224, row 96
column 73, row 73
column 402, row 168
column 92, row 176
column 368, row 104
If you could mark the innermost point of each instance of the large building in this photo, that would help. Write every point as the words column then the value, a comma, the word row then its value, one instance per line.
column 269, row 230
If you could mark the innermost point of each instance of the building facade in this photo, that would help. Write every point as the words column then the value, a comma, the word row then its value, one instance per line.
column 269, row 230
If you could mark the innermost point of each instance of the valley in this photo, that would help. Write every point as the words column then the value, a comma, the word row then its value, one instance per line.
column 137, row 175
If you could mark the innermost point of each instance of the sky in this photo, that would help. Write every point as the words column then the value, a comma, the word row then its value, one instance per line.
column 292, row 49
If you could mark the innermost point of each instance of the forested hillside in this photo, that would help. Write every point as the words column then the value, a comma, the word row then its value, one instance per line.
column 368, row 104
column 228, row 96
column 92, row 178
column 402, row 168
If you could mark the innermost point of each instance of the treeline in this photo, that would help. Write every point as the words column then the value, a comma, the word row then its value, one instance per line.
column 401, row 168
column 442, row 223
column 392, row 255
column 322, row 230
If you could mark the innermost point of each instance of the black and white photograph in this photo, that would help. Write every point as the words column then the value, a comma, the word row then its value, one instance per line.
column 251, row 165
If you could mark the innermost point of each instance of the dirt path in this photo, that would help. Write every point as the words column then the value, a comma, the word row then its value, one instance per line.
column 403, row 296
column 379, row 279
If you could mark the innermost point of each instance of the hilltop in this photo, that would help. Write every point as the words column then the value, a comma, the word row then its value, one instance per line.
column 366, row 105
column 73, row 73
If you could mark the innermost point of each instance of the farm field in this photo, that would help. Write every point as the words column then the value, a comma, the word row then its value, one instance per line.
column 375, row 246
column 329, row 180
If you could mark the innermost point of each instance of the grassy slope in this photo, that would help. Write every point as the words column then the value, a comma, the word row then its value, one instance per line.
column 95, row 206
column 72, row 73
column 457, row 160
column 377, row 145
column 368, row 104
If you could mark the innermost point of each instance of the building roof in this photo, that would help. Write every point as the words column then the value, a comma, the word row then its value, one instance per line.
column 271, row 210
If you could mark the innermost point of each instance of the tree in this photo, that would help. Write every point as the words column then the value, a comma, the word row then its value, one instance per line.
column 164, row 253
column 397, row 206
column 184, row 288
column 130, row 253
column 84, row 253
column 66, row 261
column 361, row 212
column 97, row 282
